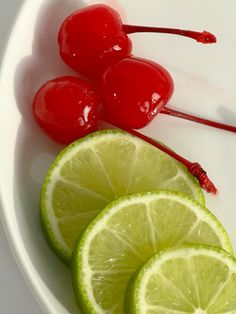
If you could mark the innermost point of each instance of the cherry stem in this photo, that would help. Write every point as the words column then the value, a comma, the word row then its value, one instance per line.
column 193, row 167
column 202, row 37
column 190, row 117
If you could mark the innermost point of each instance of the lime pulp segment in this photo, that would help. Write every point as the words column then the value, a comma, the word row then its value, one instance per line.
column 95, row 170
column 186, row 279
column 128, row 232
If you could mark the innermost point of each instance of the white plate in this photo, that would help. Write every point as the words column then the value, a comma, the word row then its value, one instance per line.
column 204, row 77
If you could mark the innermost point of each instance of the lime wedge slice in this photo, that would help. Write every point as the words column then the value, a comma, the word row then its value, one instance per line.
column 128, row 232
column 93, row 171
column 187, row 279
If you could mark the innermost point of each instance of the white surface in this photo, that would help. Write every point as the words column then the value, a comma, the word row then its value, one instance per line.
column 205, row 84
column 15, row 296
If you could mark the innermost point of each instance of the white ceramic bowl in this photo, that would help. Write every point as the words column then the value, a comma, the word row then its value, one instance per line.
column 204, row 77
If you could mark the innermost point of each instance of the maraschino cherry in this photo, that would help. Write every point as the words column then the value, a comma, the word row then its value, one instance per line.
column 66, row 108
column 93, row 38
column 134, row 91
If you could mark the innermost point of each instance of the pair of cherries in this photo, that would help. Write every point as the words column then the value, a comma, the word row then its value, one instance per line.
column 94, row 42
column 68, row 108
column 126, row 91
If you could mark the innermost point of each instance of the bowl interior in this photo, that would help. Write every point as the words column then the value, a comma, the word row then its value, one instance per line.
column 204, row 84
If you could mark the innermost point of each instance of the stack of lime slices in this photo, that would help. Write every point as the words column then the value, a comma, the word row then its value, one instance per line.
column 115, row 201
column 126, row 234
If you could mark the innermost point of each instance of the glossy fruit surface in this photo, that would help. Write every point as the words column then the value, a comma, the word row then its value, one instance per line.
column 91, row 39
column 134, row 90
column 65, row 108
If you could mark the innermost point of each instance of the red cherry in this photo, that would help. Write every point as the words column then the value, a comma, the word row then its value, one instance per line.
column 65, row 108
column 91, row 39
column 134, row 90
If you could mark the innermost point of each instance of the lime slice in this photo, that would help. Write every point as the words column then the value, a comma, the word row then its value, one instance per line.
column 187, row 279
column 92, row 172
column 128, row 232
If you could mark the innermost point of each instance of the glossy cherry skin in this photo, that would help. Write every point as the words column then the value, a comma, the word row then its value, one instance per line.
column 133, row 91
column 65, row 108
column 91, row 39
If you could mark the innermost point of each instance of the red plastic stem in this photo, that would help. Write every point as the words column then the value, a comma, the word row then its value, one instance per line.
column 193, row 167
column 201, row 37
column 190, row 117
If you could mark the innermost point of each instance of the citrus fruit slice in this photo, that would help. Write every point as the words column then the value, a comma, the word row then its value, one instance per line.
column 186, row 279
column 93, row 171
column 128, row 232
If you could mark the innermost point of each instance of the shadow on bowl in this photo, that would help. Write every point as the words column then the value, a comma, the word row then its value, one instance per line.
column 34, row 151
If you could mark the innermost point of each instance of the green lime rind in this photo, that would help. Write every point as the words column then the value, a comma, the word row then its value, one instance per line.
column 136, row 289
column 60, row 251
column 52, row 240
column 55, row 245
column 48, row 220
column 80, row 262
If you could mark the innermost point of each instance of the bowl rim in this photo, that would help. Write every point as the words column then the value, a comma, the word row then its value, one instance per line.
column 14, row 238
